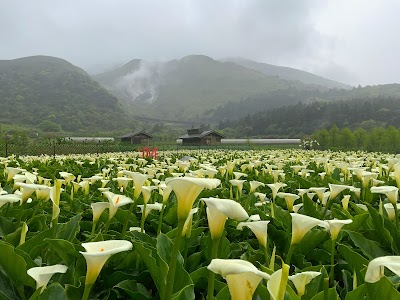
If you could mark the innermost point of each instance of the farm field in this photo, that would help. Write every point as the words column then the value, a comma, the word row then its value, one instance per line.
column 200, row 224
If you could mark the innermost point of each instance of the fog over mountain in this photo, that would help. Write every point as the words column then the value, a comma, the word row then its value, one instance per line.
column 353, row 42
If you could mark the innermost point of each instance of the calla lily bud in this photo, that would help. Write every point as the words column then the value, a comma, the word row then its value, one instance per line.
column 23, row 233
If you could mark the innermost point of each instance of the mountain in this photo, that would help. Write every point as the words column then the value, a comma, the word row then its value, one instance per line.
column 186, row 89
column 51, row 94
column 288, row 73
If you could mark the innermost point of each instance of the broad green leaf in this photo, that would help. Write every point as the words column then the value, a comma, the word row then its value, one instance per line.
column 371, row 249
column 69, row 230
column 14, row 266
column 359, row 293
column 54, row 292
column 382, row 233
column 134, row 290
column 332, row 295
column 383, row 289
column 64, row 249
column 355, row 261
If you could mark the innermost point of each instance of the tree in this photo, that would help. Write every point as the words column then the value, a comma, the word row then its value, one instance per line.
column 48, row 126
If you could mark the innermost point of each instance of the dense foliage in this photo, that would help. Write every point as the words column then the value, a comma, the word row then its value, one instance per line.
column 51, row 94
column 302, row 118
column 271, row 216
column 376, row 139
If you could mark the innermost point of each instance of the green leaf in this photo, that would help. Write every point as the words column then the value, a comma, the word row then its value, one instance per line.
column 54, row 292
column 134, row 290
column 157, row 267
column 382, row 233
column 69, row 230
column 14, row 266
column 355, row 261
column 64, row 249
column 357, row 294
column 383, row 289
column 332, row 295
column 370, row 248
column 7, row 290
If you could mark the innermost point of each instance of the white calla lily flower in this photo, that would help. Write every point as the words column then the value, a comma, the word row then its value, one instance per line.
column 376, row 267
column 242, row 276
column 97, row 253
column 300, row 280
column 187, row 190
column 259, row 228
column 301, row 224
column 218, row 210
column 42, row 275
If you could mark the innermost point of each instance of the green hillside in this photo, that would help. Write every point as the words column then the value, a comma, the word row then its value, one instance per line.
column 299, row 119
column 186, row 89
column 289, row 73
column 50, row 94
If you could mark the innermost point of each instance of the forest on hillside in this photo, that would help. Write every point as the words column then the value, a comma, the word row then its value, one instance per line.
column 305, row 118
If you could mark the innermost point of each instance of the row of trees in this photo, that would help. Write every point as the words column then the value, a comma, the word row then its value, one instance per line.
column 377, row 139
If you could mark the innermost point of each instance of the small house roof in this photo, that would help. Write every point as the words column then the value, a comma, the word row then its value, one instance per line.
column 133, row 134
column 201, row 134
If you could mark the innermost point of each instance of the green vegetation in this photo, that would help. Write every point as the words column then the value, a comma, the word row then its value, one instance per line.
column 51, row 94
column 289, row 73
column 303, row 119
column 377, row 139
column 186, row 89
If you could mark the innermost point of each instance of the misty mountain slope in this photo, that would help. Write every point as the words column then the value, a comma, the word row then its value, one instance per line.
column 187, row 88
column 39, row 89
column 299, row 119
column 288, row 73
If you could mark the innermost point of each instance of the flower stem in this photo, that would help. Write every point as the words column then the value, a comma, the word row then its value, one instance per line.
column 107, row 226
column 86, row 293
column 266, row 254
column 125, row 227
column 331, row 273
column 21, row 293
column 396, row 213
column 290, row 253
column 211, row 275
column 160, row 220
column 169, row 286
column 143, row 219
column 93, row 229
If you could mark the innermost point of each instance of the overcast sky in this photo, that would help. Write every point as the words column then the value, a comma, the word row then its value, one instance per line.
column 353, row 41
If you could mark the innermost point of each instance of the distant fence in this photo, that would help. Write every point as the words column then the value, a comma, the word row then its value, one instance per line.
column 53, row 149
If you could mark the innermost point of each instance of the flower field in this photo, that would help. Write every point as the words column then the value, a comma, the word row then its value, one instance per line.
column 268, row 224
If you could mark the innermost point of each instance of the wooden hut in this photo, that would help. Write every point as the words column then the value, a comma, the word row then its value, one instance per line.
column 138, row 138
column 197, row 137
